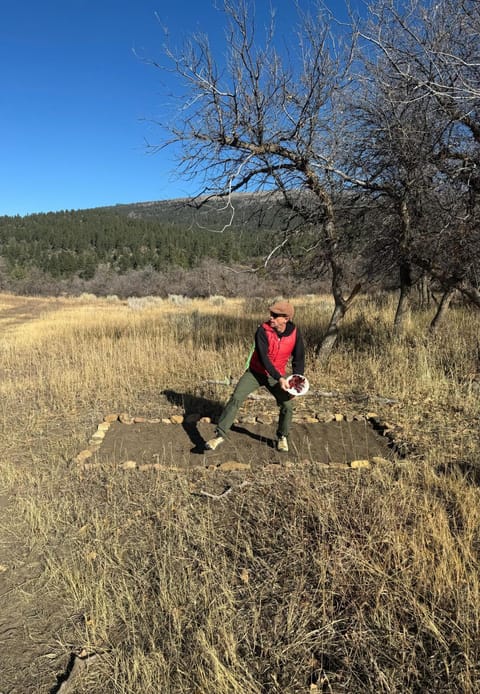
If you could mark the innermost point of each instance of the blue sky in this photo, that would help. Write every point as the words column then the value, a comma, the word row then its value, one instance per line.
column 77, row 100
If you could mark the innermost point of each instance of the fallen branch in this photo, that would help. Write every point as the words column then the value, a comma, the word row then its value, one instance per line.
column 217, row 497
column 76, row 664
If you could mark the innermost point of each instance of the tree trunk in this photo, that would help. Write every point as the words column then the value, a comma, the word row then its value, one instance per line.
column 403, row 307
column 324, row 348
column 442, row 309
column 471, row 292
column 424, row 292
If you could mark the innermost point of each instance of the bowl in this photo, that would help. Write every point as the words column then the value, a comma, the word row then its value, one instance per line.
column 297, row 384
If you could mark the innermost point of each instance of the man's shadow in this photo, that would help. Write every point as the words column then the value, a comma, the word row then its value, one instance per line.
column 193, row 404
column 195, row 437
column 257, row 437
column 200, row 444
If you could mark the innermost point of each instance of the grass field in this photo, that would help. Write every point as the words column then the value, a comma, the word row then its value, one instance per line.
column 310, row 580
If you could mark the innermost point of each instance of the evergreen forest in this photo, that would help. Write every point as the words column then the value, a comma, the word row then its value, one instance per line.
column 127, row 237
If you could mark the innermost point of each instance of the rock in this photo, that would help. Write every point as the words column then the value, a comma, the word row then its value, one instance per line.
column 262, row 419
column 161, row 466
column 166, row 421
column 154, row 420
column 129, row 465
column 231, row 465
column 206, row 420
column 98, row 436
column 125, row 418
column 349, row 417
column 338, row 417
column 110, row 418
column 104, row 426
column 310, row 420
column 403, row 463
column 359, row 418
column 145, row 466
column 91, row 466
column 327, row 417
column 83, row 455
column 248, row 419
column 378, row 460
column 371, row 415
column 139, row 420
column 275, row 468
column 339, row 466
column 176, row 419
column 358, row 464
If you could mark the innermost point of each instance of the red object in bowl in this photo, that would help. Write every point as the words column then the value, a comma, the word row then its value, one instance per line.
column 297, row 384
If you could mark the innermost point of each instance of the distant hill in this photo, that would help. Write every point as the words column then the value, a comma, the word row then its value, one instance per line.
column 262, row 210
column 156, row 234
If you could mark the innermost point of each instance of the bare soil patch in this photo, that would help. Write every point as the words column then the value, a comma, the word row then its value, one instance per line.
column 17, row 310
column 183, row 445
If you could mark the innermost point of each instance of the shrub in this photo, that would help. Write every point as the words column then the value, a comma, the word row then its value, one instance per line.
column 216, row 300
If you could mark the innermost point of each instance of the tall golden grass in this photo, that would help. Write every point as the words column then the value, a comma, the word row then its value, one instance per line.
column 311, row 580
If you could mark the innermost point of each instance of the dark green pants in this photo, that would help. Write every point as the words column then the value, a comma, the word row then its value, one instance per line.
column 249, row 382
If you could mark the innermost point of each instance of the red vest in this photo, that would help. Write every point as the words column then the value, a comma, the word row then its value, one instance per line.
column 279, row 350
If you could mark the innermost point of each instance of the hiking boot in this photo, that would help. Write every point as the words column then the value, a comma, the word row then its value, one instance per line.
column 214, row 443
column 282, row 444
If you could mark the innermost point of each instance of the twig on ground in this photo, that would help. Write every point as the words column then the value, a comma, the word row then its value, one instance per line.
column 217, row 497
column 77, row 664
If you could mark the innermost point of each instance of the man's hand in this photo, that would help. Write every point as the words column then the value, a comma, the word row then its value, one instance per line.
column 283, row 383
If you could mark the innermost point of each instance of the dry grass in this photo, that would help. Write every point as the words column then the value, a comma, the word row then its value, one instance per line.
column 360, row 583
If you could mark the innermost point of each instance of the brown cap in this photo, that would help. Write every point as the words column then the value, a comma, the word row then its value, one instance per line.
column 283, row 308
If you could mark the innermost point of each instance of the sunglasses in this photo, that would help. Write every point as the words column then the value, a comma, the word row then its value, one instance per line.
column 277, row 315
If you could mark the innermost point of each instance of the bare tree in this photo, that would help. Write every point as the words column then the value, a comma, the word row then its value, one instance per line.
column 422, row 60
column 269, row 119
column 393, row 155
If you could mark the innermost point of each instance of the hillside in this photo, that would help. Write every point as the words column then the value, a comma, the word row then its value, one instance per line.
column 158, row 234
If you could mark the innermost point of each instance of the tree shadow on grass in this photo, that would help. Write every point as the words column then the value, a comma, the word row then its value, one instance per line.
column 469, row 472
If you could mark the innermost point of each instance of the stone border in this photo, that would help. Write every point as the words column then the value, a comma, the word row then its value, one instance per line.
column 400, row 448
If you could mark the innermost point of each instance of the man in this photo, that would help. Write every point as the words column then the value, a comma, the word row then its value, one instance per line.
column 276, row 340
